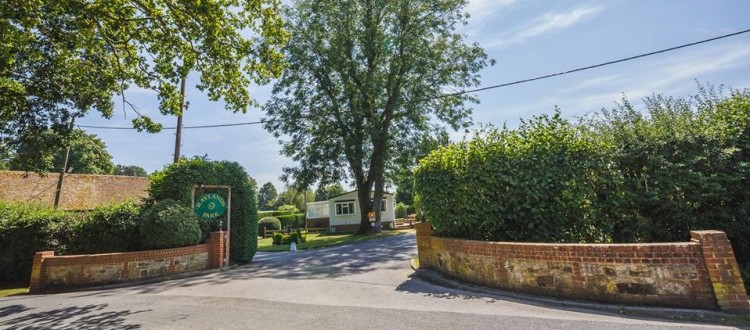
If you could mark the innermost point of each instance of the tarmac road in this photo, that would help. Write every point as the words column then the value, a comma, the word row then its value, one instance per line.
column 368, row 285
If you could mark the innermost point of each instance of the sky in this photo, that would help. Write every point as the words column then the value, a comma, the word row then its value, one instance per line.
column 527, row 38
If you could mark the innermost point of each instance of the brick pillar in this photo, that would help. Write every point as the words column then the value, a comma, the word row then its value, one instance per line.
column 36, row 283
column 424, row 232
column 723, row 271
column 216, row 241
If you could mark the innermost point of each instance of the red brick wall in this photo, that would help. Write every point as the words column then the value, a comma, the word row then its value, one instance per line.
column 669, row 274
column 317, row 223
column 50, row 272
column 79, row 192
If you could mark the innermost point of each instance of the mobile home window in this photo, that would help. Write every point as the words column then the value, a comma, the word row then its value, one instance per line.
column 344, row 208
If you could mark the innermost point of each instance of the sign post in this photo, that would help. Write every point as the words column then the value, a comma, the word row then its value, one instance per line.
column 212, row 205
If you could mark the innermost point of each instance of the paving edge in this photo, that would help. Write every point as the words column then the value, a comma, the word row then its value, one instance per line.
column 673, row 314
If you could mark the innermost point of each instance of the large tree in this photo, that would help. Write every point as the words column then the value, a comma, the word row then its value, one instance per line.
column 267, row 197
column 87, row 155
column 62, row 59
column 365, row 79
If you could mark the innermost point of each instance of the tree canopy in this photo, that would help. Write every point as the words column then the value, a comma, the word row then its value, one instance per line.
column 267, row 197
column 325, row 192
column 61, row 59
column 129, row 170
column 365, row 80
column 88, row 155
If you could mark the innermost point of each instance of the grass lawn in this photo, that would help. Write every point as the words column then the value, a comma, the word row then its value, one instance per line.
column 321, row 240
column 7, row 292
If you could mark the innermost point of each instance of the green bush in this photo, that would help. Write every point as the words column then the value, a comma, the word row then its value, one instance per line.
column 401, row 210
column 286, row 239
column 177, row 180
column 168, row 224
column 268, row 224
column 277, row 238
column 294, row 237
column 529, row 184
column 292, row 220
column 622, row 175
column 289, row 209
column 26, row 229
column 109, row 228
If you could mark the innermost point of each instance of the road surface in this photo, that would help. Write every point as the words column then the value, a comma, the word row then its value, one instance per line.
column 367, row 285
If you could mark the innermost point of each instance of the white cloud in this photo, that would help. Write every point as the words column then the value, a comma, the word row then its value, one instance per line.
column 547, row 23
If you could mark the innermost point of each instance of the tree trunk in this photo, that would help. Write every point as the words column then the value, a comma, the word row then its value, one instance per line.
column 377, row 202
column 363, row 194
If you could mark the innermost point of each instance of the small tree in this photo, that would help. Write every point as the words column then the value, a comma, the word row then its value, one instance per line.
column 267, row 197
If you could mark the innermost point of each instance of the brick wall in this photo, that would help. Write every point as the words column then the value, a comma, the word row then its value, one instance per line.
column 50, row 272
column 698, row 274
column 79, row 192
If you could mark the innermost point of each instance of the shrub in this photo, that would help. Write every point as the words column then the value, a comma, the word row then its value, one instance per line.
column 109, row 228
column 292, row 220
column 286, row 239
column 288, row 209
column 277, row 238
column 168, row 224
column 401, row 210
column 268, row 224
column 294, row 237
column 26, row 229
column 529, row 184
column 177, row 180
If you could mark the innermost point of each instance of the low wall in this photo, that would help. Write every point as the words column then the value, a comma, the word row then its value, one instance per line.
column 698, row 274
column 79, row 191
column 51, row 273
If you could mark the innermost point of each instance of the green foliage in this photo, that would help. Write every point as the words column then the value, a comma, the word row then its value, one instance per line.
column 61, row 59
column 401, row 210
column 129, row 170
column 288, row 209
column 292, row 220
column 26, row 229
column 294, row 237
column 362, row 85
column 277, row 238
column 177, row 180
column 263, row 214
column 294, row 198
column 620, row 176
column 168, row 224
column 109, row 228
column 529, row 184
column 324, row 193
column 267, row 197
column 88, row 155
column 268, row 224
column 286, row 239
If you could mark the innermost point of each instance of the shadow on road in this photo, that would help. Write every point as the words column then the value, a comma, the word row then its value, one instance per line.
column 73, row 317
column 324, row 263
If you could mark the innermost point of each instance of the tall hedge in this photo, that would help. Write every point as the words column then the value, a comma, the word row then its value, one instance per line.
column 176, row 182
column 622, row 175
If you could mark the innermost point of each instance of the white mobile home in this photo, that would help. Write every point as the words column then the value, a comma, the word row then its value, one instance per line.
column 341, row 213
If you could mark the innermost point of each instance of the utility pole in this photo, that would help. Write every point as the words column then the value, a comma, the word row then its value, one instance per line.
column 178, row 136
column 64, row 167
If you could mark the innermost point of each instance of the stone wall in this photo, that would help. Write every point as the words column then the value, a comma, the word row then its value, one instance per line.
column 52, row 273
column 699, row 274
column 79, row 191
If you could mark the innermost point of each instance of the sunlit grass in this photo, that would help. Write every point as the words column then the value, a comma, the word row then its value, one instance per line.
column 321, row 240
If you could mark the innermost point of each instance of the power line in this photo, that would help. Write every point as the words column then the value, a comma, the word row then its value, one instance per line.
column 495, row 86
column 590, row 66
column 173, row 127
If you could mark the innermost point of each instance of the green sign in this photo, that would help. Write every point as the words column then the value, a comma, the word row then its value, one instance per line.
column 209, row 206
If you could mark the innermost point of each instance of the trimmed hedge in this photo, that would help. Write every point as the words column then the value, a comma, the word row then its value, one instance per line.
column 293, row 220
column 169, row 224
column 619, row 176
column 177, row 180
column 110, row 228
column 269, row 224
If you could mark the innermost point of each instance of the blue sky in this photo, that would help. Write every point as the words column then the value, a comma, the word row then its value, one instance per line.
column 527, row 38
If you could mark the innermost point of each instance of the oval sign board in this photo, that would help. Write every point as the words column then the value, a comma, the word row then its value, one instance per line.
column 209, row 206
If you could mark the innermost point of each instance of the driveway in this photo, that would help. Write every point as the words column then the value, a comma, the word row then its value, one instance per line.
column 366, row 285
